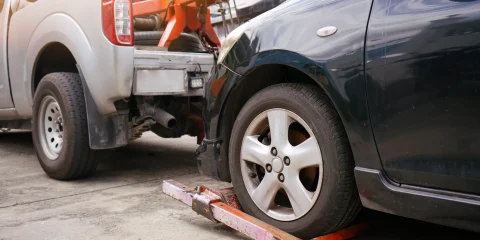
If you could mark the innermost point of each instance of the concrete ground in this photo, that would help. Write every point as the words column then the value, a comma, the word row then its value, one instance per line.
column 124, row 199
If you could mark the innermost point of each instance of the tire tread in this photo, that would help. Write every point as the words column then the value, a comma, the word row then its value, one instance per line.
column 84, row 161
column 346, row 201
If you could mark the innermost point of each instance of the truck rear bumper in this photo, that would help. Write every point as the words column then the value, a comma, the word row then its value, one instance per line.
column 170, row 73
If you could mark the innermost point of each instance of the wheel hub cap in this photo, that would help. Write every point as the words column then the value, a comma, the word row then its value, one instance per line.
column 277, row 165
column 50, row 127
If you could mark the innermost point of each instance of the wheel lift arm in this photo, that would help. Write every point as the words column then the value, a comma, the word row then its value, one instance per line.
column 223, row 206
column 219, row 207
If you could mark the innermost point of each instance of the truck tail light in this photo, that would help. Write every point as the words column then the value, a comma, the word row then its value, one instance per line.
column 117, row 21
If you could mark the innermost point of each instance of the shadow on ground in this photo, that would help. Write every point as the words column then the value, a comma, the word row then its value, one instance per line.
column 143, row 156
column 124, row 196
column 147, row 159
column 122, row 200
column 386, row 226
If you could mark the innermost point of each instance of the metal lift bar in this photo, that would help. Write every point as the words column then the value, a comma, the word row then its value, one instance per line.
column 222, row 206
column 180, row 14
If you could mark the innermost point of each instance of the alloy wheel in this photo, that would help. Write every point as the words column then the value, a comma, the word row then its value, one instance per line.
column 281, row 164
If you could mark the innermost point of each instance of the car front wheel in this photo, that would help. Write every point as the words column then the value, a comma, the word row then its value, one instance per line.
column 59, row 127
column 290, row 161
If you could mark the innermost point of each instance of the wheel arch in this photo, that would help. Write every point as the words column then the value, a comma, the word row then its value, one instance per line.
column 51, row 41
column 53, row 57
column 62, row 53
column 283, row 67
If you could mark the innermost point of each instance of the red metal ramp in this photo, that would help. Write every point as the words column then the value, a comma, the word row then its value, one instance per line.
column 221, row 206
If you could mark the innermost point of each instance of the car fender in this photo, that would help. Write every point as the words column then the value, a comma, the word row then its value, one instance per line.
column 288, row 35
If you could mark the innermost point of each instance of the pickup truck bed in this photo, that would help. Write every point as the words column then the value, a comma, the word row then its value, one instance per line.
column 160, row 72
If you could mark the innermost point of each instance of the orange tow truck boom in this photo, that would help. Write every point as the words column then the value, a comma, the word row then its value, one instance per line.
column 180, row 15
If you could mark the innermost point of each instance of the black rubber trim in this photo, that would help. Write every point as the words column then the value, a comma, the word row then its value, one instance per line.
column 104, row 132
column 431, row 205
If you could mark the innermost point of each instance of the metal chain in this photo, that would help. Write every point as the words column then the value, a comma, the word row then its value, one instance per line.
column 202, row 15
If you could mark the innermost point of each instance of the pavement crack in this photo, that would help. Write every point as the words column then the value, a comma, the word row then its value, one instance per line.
column 93, row 191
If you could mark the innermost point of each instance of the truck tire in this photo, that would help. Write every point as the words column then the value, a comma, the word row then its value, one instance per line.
column 184, row 43
column 291, row 163
column 60, row 129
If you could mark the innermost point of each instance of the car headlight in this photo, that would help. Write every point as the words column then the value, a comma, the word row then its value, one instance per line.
column 230, row 41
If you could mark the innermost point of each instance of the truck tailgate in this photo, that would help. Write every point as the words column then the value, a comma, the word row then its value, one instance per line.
column 170, row 73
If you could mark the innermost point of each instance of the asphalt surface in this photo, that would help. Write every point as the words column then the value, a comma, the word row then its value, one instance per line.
column 124, row 199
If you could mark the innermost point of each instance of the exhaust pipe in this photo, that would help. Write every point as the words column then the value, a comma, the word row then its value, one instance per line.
column 164, row 118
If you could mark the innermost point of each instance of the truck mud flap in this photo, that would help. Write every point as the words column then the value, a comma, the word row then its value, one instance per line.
column 104, row 132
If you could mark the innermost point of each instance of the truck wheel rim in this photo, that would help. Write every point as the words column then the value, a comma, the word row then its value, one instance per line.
column 283, row 176
column 51, row 127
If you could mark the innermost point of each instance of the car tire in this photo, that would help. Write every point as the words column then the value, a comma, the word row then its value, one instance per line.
column 184, row 43
column 332, row 208
column 60, row 129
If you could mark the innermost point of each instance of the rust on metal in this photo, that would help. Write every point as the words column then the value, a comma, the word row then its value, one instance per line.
column 178, row 191
column 229, row 198
column 247, row 224
column 222, row 206
column 347, row 233
column 202, row 201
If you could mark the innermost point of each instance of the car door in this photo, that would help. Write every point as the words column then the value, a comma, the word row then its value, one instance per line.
column 5, row 94
column 423, row 81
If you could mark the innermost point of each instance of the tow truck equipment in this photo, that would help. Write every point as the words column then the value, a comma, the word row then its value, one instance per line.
column 222, row 206
column 180, row 14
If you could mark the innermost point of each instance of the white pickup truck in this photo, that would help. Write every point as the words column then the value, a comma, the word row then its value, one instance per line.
column 82, row 78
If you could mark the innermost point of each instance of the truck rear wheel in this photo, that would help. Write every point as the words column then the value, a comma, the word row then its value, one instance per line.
column 60, row 129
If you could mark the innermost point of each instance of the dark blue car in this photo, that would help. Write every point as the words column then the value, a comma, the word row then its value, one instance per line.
column 319, row 107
